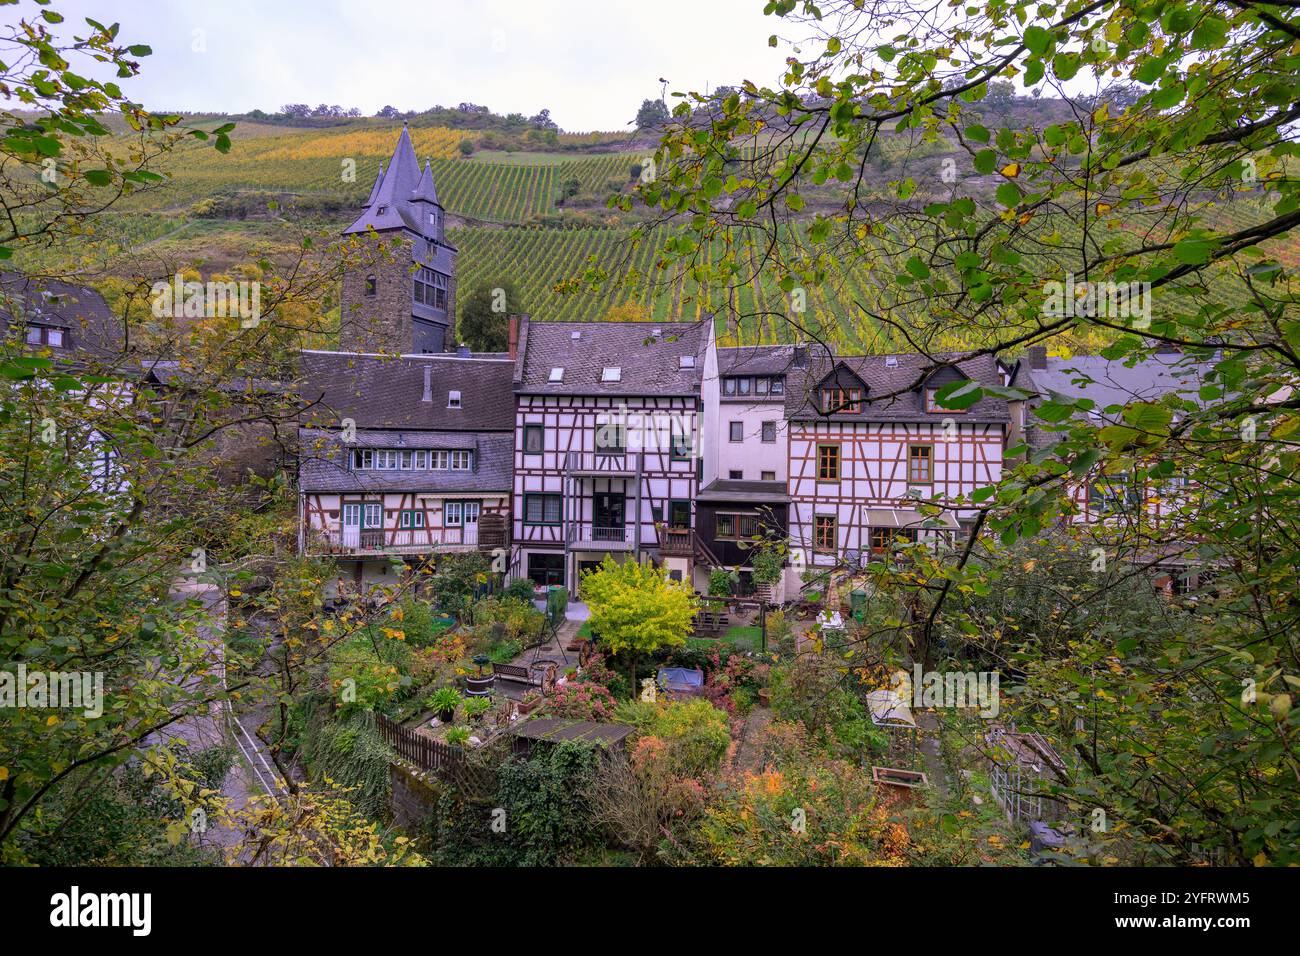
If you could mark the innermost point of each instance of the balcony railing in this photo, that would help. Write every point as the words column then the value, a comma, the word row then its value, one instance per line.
column 585, row 536
column 602, row 462
column 679, row 542
column 392, row 541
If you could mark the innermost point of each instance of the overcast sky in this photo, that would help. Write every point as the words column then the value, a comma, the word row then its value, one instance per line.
column 591, row 62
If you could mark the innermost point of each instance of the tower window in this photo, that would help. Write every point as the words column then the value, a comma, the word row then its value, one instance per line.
column 430, row 288
column 371, row 285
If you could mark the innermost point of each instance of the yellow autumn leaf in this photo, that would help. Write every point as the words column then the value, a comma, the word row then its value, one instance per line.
column 1011, row 170
column 4, row 773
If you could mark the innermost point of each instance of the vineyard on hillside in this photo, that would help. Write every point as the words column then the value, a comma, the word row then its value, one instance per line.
column 344, row 165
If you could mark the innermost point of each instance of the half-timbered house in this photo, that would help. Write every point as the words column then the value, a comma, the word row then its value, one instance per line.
column 606, row 429
column 868, row 441
column 404, row 457
column 1143, row 513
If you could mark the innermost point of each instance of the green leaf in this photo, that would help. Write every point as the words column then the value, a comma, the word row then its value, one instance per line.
column 986, row 160
column 99, row 177
column 1037, row 40
column 1194, row 252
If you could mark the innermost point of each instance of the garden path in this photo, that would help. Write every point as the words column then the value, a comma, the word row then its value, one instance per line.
column 749, row 751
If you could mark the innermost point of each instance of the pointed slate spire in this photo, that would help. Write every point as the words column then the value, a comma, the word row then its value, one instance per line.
column 425, row 191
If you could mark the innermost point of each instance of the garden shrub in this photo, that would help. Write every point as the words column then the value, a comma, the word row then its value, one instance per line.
column 579, row 700
column 520, row 589
column 695, row 732
column 545, row 799
column 377, row 666
column 841, row 820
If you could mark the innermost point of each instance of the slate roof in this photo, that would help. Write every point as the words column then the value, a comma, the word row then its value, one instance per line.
column 1108, row 383
column 759, row 492
column 386, row 392
column 396, row 191
column 649, row 366
column 755, row 359
column 92, row 330
column 882, row 378
column 323, row 462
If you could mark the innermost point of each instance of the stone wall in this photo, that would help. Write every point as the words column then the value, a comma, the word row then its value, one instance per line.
column 380, row 322
column 413, row 798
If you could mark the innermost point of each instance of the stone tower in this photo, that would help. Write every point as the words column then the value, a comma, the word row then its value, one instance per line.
column 399, row 283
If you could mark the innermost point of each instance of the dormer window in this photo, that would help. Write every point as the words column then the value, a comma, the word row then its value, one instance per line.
column 611, row 374
column 557, row 374
column 933, row 406
column 45, row 335
column 453, row 399
column 841, row 401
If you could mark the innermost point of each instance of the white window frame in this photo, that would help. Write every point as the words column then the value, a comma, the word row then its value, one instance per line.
column 453, row 514
column 453, row 399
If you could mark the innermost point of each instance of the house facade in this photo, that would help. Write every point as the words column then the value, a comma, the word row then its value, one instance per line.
column 868, row 443
column 606, row 429
column 404, row 457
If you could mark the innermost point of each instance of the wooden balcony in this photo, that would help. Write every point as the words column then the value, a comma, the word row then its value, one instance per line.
column 676, row 542
column 362, row 543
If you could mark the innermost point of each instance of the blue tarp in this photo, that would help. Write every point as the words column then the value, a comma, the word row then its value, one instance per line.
column 681, row 680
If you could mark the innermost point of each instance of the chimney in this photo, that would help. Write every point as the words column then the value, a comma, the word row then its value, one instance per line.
column 428, row 384
column 799, row 357
column 512, row 336
column 462, row 350
column 1038, row 356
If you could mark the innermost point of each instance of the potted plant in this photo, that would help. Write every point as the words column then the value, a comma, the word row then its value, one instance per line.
column 532, row 700
column 443, row 702
column 480, row 684
column 458, row 736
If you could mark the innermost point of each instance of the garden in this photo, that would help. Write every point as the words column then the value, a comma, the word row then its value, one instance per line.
column 768, row 761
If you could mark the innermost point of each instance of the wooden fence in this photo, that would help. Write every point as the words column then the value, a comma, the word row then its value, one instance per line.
column 445, row 761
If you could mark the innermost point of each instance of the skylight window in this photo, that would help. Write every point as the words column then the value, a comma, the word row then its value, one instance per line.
column 575, row 334
column 613, row 374
column 557, row 374
column 453, row 399
column 687, row 361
